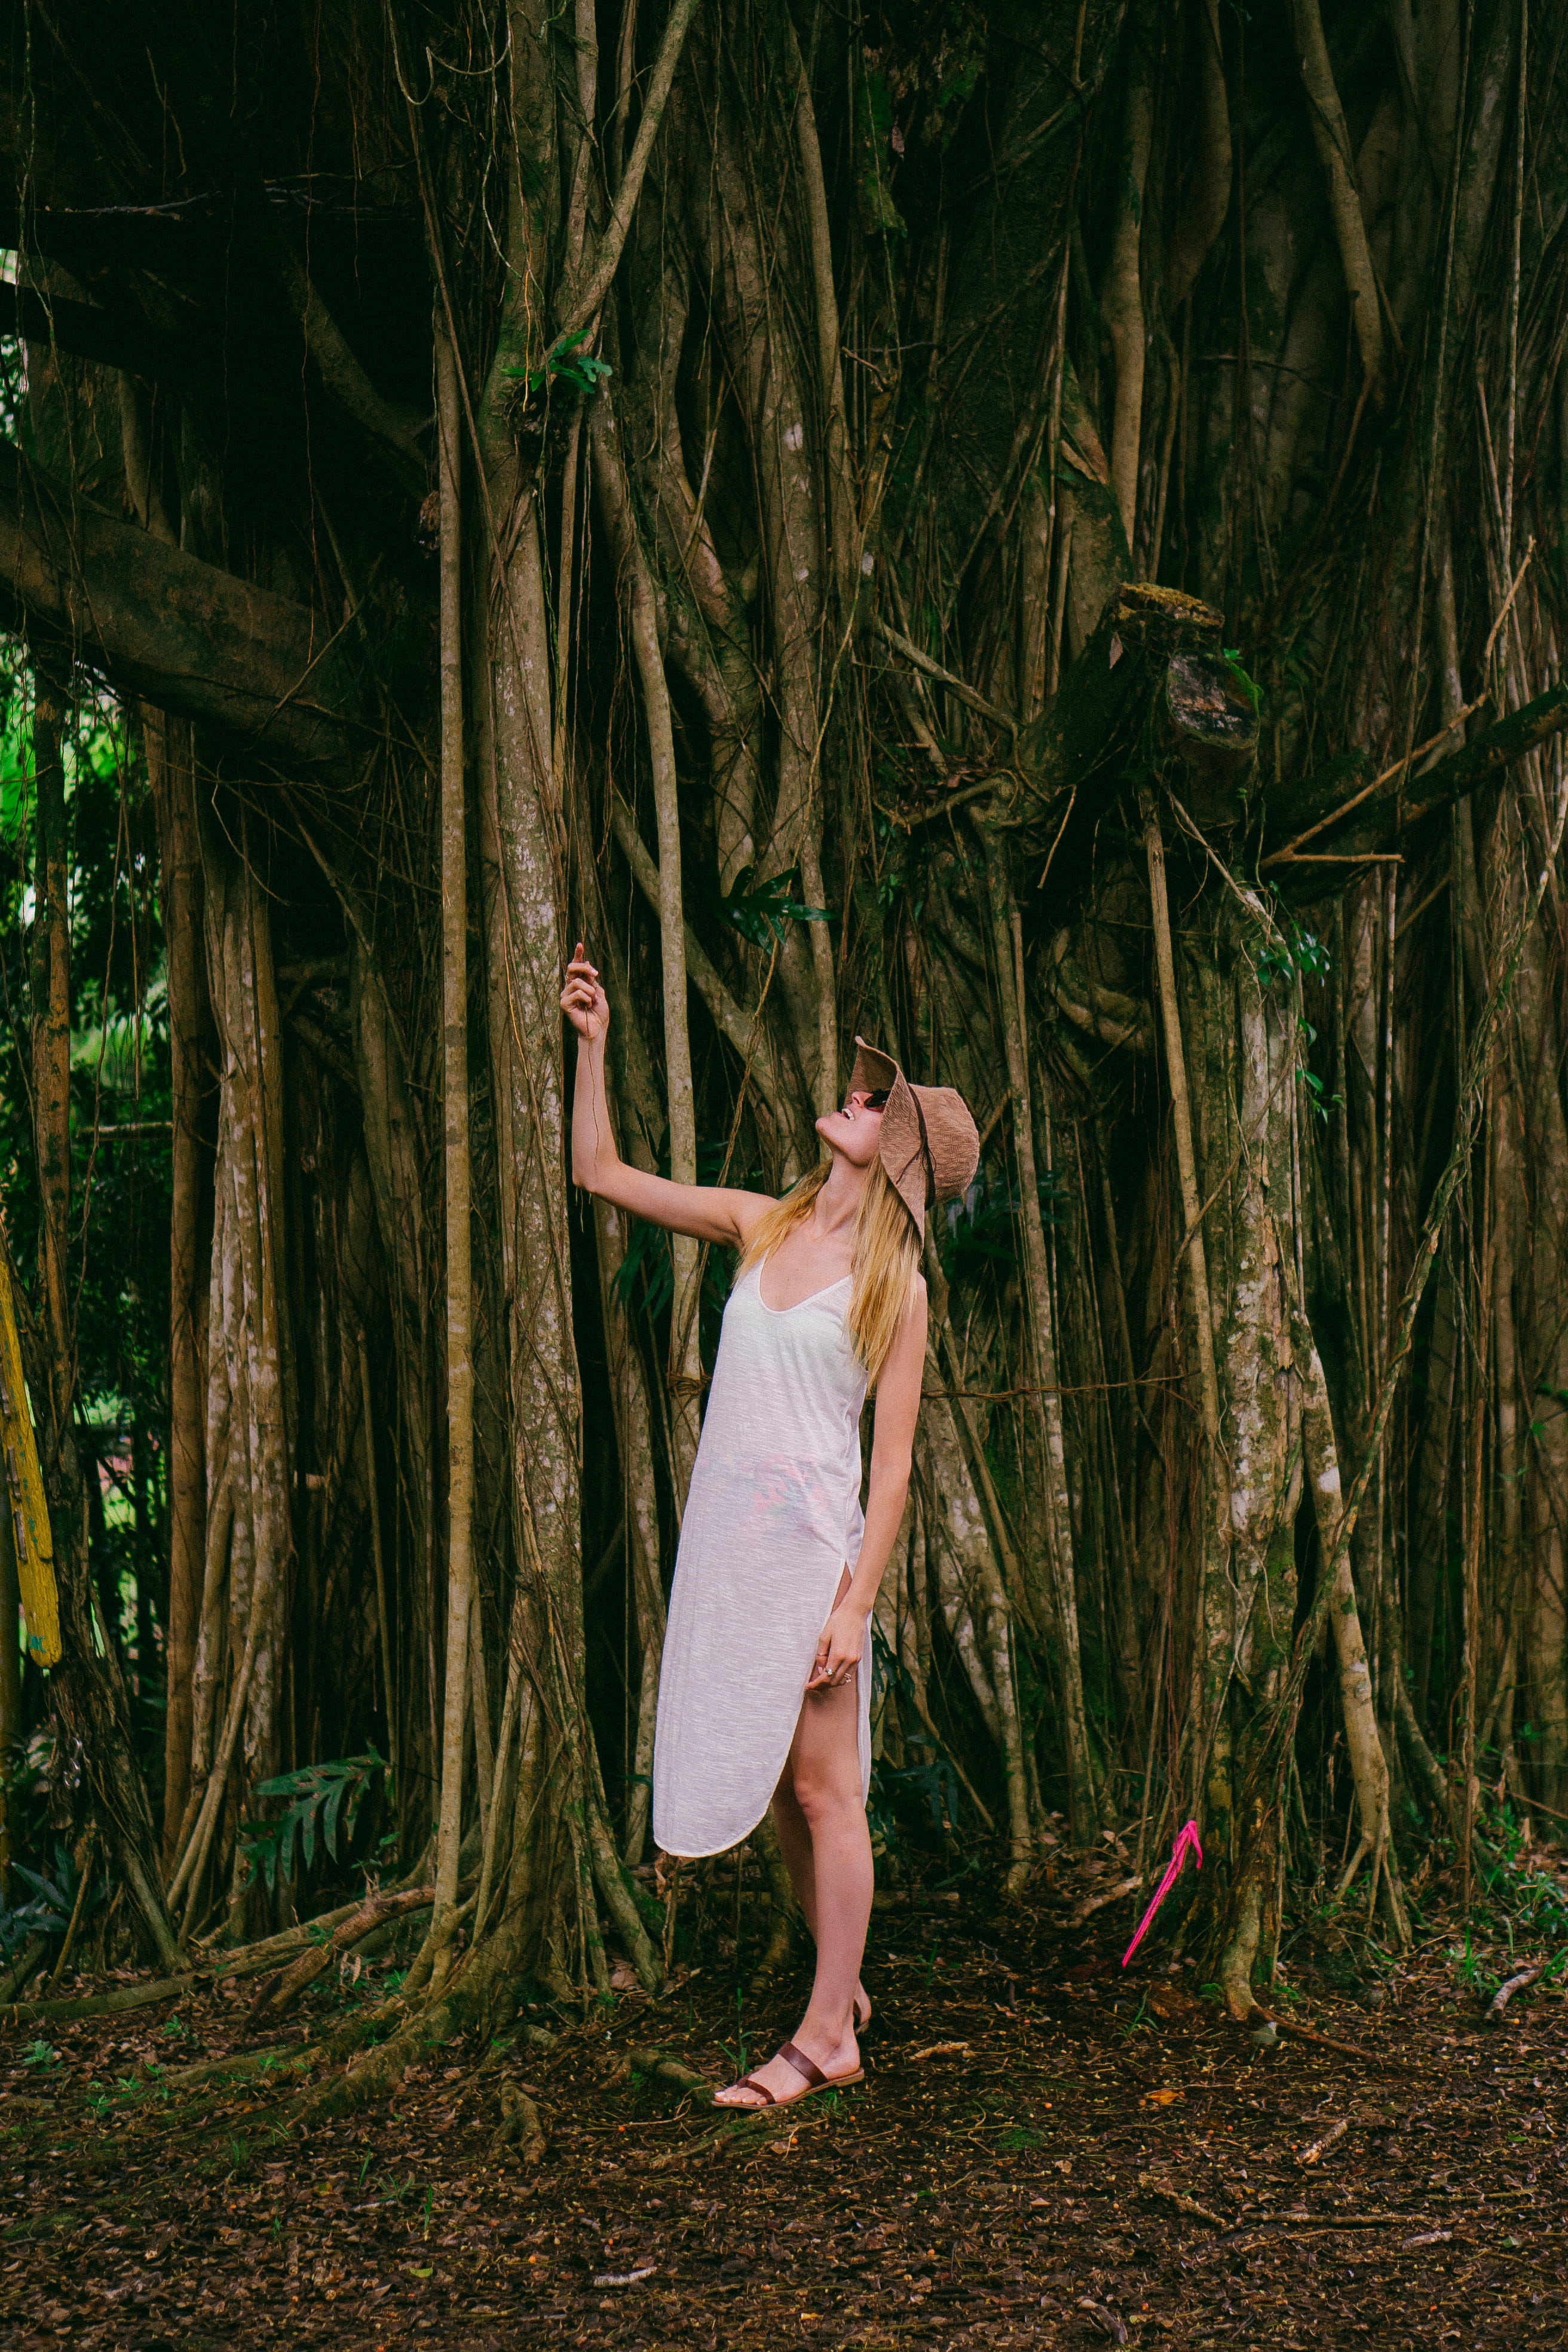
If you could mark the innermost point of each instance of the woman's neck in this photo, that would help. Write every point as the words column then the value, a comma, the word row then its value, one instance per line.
column 836, row 1205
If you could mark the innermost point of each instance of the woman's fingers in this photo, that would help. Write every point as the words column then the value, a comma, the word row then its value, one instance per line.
column 830, row 1671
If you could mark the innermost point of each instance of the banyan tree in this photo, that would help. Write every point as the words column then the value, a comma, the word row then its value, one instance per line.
column 1030, row 534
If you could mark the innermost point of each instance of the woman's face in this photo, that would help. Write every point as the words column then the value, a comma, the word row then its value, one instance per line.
column 854, row 1131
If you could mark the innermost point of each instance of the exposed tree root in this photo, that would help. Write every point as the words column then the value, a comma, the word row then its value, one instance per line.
column 109, row 2004
column 280, row 1991
column 478, row 1991
column 34, row 1953
column 521, row 2126
column 644, row 2061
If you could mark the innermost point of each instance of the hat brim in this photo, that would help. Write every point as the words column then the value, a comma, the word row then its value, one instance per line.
column 930, row 1146
column 875, row 1073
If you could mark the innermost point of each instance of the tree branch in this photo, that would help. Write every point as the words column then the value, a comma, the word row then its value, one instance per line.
column 342, row 374
column 1343, row 814
column 1331, row 141
column 741, row 1029
column 190, row 638
column 606, row 260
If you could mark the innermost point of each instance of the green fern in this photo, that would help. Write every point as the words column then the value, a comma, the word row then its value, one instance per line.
column 324, row 1799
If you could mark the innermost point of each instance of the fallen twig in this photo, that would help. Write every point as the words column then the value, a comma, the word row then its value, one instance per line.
column 1295, row 2033
column 1093, row 1902
column 1267, row 2229
column 938, row 2049
column 1325, row 2141
column 1505, row 1992
column 734, row 2121
column 1178, row 2197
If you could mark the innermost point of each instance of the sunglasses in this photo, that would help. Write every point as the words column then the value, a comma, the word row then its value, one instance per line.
column 878, row 1102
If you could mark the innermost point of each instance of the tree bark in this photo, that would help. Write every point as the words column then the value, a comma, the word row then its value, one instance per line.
column 685, row 1365
column 172, row 777
column 1046, row 1405
column 456, row 1156
column 195, row 641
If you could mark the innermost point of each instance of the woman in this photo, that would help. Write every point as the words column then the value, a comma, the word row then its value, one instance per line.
column 765, row 1693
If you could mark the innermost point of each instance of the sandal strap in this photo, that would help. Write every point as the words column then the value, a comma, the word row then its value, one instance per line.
column 750, row 2082
column 801, row 2064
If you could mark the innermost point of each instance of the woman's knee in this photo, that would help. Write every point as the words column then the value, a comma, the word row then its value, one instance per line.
column 824, row 1796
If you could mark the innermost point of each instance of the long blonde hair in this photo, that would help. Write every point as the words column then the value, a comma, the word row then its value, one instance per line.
column 884, row 1259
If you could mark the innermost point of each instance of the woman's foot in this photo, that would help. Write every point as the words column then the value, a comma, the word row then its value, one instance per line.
column 862, row 2009
column 785, row 2081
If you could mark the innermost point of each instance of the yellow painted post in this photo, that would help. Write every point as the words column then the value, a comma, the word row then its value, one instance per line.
column 23, row 1497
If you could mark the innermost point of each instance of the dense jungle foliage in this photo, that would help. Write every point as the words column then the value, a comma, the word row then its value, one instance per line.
column 1032, row 533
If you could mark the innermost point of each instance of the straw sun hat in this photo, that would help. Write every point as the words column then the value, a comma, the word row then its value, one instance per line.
column 930, row 1146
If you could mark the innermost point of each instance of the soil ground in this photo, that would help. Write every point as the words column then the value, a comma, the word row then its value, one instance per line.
column 1044, row 2152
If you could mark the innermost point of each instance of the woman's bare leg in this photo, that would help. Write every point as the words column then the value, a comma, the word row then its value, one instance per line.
column 794, row 1845
column 794, row 1840
column 827, row 1848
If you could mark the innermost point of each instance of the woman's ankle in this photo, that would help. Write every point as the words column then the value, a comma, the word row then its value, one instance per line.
column 823, row 2023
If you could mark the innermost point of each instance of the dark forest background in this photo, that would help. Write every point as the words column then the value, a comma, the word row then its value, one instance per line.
column 1033, row 533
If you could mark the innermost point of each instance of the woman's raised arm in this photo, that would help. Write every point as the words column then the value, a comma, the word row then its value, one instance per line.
column 710, row 1213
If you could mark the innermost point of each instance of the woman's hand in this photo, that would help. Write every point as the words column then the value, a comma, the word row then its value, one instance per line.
column 583, row 1001
column 840, row 1646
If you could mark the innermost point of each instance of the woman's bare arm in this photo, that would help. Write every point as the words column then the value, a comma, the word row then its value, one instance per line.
column 843, row 1637
column 710, row 1213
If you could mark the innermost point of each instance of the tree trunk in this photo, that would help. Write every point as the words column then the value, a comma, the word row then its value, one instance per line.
column 456, row 1156
column 172, row 781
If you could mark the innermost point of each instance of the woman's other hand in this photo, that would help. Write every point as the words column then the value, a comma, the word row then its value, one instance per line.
column 583, row 1001
column 840, row 1646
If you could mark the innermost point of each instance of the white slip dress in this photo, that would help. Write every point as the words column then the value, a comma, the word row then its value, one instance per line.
column 772, row 1521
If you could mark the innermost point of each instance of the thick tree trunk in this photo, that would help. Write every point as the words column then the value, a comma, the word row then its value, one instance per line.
column 1008, row 952
column 684, row 1366
column 457, row 1161
column 172, row 780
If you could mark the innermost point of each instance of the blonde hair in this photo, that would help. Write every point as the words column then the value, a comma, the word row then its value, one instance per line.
column 884, row 1261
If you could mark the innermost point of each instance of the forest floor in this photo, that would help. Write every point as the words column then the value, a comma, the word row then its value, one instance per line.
column 1044, row 2153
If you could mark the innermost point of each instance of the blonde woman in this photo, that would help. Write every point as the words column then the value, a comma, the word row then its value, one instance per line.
column 765, row 1690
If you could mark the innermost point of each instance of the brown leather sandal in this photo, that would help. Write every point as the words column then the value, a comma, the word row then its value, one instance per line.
column 816, row 2080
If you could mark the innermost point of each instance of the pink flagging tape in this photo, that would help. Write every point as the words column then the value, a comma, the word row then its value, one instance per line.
column 1186, row 1841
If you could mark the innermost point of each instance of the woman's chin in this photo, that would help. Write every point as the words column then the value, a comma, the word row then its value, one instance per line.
column 843, row 1143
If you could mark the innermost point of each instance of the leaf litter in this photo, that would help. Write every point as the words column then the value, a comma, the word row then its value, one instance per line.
column 1038, row 2186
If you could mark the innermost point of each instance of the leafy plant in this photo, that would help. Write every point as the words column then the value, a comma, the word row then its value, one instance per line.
column 1296, row 951
column 48, row 1911
column 1248, row 685
column 931, row 1786
column 322, row 1798
column 40, row 2054
column 760, row 910
column 579, row 370
column 934, row 1785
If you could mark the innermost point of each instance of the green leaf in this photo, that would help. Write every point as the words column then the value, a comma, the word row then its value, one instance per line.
column 760, row 910
column 578, row 369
